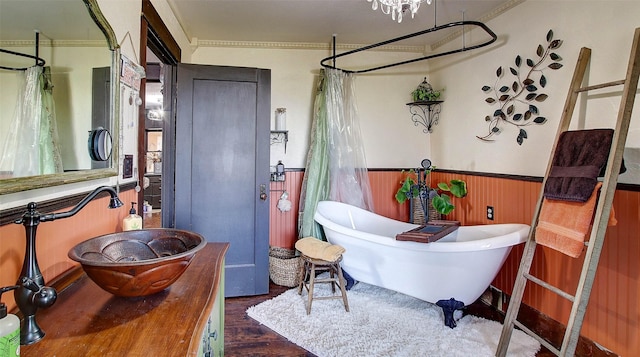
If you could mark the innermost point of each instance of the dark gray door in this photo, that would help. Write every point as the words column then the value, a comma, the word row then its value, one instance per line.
column 222, row 166
column 100, row 105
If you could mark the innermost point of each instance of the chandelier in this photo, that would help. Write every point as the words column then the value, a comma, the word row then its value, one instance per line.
column 397, row 7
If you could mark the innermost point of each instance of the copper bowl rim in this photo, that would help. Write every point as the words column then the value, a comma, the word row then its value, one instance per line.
column 73, row 255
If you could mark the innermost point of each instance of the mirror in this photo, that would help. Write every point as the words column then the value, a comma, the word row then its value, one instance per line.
column 72, row 43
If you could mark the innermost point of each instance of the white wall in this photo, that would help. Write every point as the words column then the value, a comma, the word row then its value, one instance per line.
column 71, row 71
column 606, row 27
column 390, row 138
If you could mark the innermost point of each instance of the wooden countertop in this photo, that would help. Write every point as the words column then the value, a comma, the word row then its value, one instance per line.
column 88, row 321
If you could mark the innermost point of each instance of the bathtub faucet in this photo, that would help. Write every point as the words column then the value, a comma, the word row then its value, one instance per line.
column 31, row 292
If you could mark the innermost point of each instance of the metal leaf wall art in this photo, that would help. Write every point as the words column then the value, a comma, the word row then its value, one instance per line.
column 517, row 101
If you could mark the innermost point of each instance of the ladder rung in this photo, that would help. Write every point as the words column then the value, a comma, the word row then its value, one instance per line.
column 548, row 286
column 538, row 338
column 602, row 85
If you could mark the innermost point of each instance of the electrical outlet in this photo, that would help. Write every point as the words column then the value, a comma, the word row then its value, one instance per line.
column 490, row 213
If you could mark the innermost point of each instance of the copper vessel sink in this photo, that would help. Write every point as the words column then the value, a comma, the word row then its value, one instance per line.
column 139, row 262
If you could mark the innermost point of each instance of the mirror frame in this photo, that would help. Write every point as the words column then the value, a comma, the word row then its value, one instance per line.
column 19, row 184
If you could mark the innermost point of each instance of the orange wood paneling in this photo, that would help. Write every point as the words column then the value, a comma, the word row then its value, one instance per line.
column 613, row 316
column 384, row 185
column 283, row 226
column 55, row 238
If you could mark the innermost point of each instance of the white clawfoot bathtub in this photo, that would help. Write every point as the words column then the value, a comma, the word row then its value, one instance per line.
column 460, row 265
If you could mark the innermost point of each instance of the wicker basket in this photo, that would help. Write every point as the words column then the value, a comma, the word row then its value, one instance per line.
column 284, row 266
column 417, row 212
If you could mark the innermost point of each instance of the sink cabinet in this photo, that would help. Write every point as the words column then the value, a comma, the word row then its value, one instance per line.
column 186, row 319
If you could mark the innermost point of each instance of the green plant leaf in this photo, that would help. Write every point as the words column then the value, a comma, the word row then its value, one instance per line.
column 405, row 190
column 401, row 197
column 443, row 186
column 442, row 204
column 458, row 188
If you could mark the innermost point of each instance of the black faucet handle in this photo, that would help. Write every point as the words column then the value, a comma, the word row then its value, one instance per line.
column 29, row 284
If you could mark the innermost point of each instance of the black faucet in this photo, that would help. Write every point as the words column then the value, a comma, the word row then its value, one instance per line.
column 31, row 292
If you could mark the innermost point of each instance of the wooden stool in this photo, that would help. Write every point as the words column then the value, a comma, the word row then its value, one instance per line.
column 308, row 270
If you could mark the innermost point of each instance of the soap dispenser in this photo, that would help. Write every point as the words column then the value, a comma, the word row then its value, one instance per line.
column 132, row 221
column 9, row 329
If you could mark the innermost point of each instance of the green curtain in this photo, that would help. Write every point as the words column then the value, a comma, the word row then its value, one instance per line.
column 50, row 158
column 31, row 146
column 315, row 184
column 336, row 167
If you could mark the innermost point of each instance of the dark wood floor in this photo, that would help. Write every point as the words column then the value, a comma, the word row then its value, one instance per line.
column 243, row 336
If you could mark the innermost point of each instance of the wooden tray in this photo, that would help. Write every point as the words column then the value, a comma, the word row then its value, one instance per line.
column 430, row 232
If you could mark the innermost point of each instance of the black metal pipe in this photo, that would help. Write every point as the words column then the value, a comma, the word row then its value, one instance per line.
column 494, row 37
column 32, row 293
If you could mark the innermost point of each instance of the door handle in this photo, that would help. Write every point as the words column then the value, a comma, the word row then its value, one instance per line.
column 263, row 192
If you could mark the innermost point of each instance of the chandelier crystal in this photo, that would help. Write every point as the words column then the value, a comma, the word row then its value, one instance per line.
column 397, row 7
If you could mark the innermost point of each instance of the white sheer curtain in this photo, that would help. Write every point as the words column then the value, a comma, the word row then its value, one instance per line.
column 348, row 173
column 31, row 146
column 336, row 167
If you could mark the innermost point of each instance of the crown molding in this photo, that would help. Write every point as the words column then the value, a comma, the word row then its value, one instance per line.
column 196, row 43
column 488, row 16
column 53, row 43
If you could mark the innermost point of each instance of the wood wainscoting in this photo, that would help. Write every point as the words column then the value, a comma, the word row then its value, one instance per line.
column 613, row 315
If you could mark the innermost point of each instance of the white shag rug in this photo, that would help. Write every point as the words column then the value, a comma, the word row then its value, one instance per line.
column 382, row 322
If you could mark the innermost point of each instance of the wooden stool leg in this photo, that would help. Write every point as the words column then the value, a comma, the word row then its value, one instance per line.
column 342, row 287
column 332, row 271
column 303, row 275
column 312, row 279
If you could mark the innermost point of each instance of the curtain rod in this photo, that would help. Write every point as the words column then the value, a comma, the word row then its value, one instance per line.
column 38, row 61
column 433, row 29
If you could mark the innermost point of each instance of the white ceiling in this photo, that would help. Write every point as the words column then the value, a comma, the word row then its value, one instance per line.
column 54, row 19
column 315, row 21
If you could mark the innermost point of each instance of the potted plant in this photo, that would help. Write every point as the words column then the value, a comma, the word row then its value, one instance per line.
column 424, row 92
column 442, row 202
column 414, row 186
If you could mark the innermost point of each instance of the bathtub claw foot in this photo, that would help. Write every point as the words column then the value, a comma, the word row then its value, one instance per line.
column 350, row 281
column 449, row 307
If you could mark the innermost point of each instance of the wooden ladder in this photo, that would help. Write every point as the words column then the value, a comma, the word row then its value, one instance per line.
column 603, row 209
